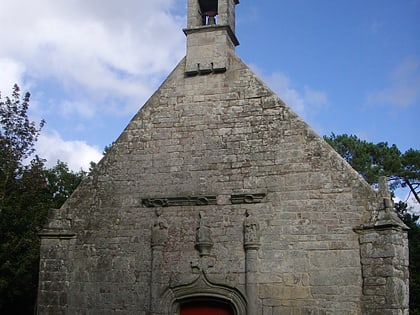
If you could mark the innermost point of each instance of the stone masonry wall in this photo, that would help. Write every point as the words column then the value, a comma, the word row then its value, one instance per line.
column 219, row 135
column 54, row 276
column 384, row 253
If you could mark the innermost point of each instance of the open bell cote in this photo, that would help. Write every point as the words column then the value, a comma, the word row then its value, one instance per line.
column 210, row 35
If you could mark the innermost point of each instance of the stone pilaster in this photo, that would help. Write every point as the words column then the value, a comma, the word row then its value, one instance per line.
column 159, row 238
column 251, row 245
column 384, row 259
column 56, row 241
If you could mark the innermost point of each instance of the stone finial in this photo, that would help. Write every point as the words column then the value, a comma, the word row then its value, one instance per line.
column 252, row 233
column 203, row 240
column 159, row 230
column 385, row 193
column 385, row 216
column 383, row 186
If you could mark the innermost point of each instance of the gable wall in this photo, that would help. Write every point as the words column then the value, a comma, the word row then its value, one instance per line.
column 219, row 135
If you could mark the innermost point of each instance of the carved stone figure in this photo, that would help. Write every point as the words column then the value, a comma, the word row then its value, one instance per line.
column 203, row 239
column 159, row 230
column 251, row 231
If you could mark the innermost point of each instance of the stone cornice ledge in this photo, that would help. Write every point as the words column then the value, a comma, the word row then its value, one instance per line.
column 56, row 234
column 209, row 28
column 388, row 221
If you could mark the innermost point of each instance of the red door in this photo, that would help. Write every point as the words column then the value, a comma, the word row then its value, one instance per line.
column 205, row 308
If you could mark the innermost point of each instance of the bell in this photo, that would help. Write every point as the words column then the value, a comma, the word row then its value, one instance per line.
column 211, row 17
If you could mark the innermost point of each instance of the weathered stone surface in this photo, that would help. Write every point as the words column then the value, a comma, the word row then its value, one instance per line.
column 313, row 246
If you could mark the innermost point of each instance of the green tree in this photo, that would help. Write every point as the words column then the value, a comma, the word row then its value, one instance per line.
column 410, row 172
column 61, row 182
column 375, row 160
column 411, row 220
column 403, row 170
column 27, row 191
column 17, row 139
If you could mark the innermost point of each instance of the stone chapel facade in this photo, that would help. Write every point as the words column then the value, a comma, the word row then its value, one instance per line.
column 218, row 199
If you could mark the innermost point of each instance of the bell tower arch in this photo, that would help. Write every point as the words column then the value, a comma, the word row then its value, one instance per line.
column 210, row 35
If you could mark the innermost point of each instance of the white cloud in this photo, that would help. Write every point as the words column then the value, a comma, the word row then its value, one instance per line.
column 314, row 98
column 282, row 85
column 86, row 61
column 305, row 101
column 11, row 73
column 92, row 49
column 414, row 206
column 80, row 108
column 77, row 154
column 403, row 90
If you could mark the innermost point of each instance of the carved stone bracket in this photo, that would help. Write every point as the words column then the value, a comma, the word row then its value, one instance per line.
column 203, row 69
column 247, row 198
column 179, row 201
column 203, row 264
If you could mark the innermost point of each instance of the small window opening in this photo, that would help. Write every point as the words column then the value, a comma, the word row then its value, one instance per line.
column 209, row 11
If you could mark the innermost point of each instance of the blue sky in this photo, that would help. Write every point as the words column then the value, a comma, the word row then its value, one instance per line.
column 364, row 56
column 344, row 66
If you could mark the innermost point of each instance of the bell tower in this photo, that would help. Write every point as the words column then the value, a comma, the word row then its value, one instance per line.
column 210, row 35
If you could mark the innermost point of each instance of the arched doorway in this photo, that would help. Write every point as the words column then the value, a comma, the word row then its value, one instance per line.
column 203, row 297
column 206, row 308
